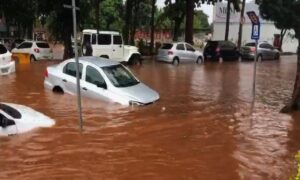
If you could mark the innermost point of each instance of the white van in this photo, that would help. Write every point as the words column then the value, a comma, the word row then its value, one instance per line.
column 108, row 44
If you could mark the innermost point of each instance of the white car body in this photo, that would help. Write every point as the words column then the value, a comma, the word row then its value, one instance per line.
column 111, row 74
column 109, row 45
column 7, row 66
column 21, row 119
column 35, row 50
column 180, row 52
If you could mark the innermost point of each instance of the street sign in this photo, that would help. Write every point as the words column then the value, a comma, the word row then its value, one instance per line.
column 255, row 25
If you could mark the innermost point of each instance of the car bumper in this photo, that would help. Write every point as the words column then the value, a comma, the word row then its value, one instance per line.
column 43, row 56
column 8, row 68
column 165, row 58
column 248, row 56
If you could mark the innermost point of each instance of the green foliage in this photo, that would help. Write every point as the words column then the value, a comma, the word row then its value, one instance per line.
column 110, row 14
column 285, row 14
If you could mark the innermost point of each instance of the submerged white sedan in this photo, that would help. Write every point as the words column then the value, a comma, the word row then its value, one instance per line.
column 99, row 79
column 7, row 66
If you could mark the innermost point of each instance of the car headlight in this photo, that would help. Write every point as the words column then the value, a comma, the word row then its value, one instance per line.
column 135, row 103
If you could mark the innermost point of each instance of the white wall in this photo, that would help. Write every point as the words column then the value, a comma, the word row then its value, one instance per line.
column 267, row 29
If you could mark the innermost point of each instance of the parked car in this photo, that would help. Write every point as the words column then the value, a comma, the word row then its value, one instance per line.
column 178, row 52
column 36, row 49
column 7, row 66
column 15, row 119
column 214, row 50
column 99, row 79
column 264, row 51
column 108, row 44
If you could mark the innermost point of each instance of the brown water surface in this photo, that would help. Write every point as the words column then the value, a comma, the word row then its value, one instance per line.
column 201, row 128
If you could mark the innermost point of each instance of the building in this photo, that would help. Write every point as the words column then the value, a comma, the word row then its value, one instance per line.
column 267, row 30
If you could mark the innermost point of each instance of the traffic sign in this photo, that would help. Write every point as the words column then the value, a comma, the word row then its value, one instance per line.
column 255, row 25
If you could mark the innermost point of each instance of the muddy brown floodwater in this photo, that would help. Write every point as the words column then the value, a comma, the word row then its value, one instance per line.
column 199, row 129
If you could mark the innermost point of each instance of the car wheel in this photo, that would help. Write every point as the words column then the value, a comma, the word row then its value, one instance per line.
column 199, row 60
column 175, row 61
column 32, row 58
column 277, row 56
column 135, row 60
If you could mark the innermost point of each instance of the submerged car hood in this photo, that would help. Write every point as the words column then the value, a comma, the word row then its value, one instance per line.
column 140, row 93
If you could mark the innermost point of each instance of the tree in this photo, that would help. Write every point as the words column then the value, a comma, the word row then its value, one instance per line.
column 236, row 7
column 152, row 25
column 286, row 15
column 111, row 13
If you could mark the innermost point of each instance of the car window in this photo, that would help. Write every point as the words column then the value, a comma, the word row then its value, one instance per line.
column 25, row 45
column 93, row 76
column 266, row 46
column 118, row 40
column 86, row 38
column 189, row 48
column 250, row 44
column 104, row 39
column 226, row 44
column 43, row 45
column 70, row 69
column 167, row 46
column 93, row 38
column 120, row 76
column 3, row 50
column 10, row 111
column 180, row 47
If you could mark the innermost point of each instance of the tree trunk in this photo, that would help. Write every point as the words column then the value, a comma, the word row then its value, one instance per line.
column 152, row 27
column 294, row 103
column 241, row 25
column 227, row 20
column 134, row 24
column 128, row 16
column 97, row 12
column 67, row 44
column 189, row 21
column 177, row 24
column 282, row 34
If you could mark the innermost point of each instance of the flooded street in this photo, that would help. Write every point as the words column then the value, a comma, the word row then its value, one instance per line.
column 201, row 128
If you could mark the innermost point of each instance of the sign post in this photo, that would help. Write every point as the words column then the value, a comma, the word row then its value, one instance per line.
column 255, row 36
column 74, row 8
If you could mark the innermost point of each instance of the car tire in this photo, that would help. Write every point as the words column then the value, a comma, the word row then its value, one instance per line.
column 32, row 58
column 199, row 60
column 175, row 61
column 277, row 56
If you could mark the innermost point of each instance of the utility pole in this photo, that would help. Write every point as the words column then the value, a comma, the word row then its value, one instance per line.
column 74, row 8
column 227, row 20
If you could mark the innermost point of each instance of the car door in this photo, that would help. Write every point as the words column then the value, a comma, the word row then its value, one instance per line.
column 94, row 85
column 69, row 77
column 264, row 50
column 117, row 48
column 180, row 51
column 104, row 47
column 271, row 52
column 190, row 51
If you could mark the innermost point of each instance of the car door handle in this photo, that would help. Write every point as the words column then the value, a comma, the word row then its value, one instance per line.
column 64, row 80
column 84, row 88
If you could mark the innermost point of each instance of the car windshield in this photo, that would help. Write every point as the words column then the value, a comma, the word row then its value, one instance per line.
column 120, row 76
column 167, row 46
column 42, row 45
column 10, row 111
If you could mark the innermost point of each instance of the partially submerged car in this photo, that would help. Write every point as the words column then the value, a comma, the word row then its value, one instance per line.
column 7, row 66
column 178, row 52
column 264, row 51
column 15, row 119
column 100, row 78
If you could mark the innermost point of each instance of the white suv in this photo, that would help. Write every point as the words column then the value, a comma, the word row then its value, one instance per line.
column 108, row 44
column 36, row 49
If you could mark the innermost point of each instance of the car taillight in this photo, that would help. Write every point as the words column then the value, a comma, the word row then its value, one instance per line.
column 36, row 50
column 252, row 49
column 170, row 52
column 46, row 73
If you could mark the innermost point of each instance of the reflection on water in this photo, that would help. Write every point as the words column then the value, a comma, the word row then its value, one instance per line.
column 201, row 128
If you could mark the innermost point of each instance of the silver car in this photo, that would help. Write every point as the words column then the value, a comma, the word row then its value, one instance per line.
column 264, row 51
column 100, row 79
column 178, row 52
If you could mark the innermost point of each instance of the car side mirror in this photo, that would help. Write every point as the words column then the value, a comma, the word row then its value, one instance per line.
column 101, row 85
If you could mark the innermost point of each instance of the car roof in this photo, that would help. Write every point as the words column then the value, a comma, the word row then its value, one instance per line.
column 101, row 32
column 98, row 61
